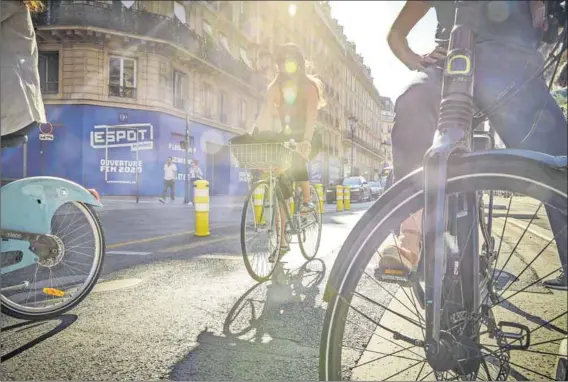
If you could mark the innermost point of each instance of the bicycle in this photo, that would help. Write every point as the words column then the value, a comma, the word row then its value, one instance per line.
column 267, row 209
column 34, row 238
column 457, row 290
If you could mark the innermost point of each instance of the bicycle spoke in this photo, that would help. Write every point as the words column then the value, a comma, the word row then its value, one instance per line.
column 502, row 235
column 387, row 309
column 402, row 371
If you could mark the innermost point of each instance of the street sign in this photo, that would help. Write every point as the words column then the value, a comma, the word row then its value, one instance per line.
column 45, row 137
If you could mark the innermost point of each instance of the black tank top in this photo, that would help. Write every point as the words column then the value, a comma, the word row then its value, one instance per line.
column 293, row 106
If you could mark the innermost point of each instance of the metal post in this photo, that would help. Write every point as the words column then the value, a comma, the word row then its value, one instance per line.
column 25, row 159
column 137, row 177
column 187, row 185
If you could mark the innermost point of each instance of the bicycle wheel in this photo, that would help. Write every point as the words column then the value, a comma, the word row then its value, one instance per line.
column 363, row 314
column 260, row 231
column 309, row 236
column 53, row 286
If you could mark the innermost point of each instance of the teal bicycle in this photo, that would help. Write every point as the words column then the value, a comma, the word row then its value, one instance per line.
column 52, row 246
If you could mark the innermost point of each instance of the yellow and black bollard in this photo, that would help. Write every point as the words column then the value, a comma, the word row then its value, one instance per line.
column 347, row 198
column 339, row 198
column 201, row 203
column 319, row 191
column 258, row 199
column 292, row 198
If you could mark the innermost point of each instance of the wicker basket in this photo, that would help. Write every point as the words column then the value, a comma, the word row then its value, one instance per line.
column 262, row 156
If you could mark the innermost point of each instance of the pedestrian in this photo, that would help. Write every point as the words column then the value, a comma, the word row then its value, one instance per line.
column 170, row 175
column 195, row 173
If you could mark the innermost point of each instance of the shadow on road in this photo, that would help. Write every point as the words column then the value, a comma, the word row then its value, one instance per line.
column 271, row 332
column 33, row 327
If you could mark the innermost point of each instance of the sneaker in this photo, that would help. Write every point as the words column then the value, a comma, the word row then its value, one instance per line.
column 559, row 283
column 403, row 254
column 283, row 250
column 162, row 200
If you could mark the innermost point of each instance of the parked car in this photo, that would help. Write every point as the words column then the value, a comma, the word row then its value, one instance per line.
column 330, row 191
column 376, row 189
column 360, row 190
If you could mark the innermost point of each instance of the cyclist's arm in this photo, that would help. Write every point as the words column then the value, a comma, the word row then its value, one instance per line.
column 264, row 119
column 311, row 112
column 412, row 12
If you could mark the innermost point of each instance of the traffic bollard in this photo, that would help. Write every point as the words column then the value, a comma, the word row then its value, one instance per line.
column 347, row 199
column 258, row 199
column 319, row 191
column 339, row 198
column 201, row 203
column 292, row 198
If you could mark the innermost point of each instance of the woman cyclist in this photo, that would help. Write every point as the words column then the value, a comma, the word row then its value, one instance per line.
column 507, row 39
column 22, row 105
column 292, row 100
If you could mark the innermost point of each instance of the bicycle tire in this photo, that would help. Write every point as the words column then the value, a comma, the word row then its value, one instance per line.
column 59, row 310
column 482, row 172
column 318, row 216
column 244, row 251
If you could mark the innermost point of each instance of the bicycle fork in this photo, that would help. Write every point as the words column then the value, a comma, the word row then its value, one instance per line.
column 452, row 136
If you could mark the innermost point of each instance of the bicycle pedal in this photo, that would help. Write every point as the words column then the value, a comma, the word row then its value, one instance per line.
column 518, row 336
column 395, row 276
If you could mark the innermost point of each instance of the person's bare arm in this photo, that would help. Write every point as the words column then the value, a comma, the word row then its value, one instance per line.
column 412, row 12
column 265, row 117
column 311, row 114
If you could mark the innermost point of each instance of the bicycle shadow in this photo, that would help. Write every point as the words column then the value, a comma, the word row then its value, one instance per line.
column 271, row 332
column 30, row 328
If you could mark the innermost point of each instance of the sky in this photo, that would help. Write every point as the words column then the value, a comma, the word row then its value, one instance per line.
column 366, row 23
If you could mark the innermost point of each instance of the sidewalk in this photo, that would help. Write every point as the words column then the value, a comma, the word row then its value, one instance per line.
column 152, row 202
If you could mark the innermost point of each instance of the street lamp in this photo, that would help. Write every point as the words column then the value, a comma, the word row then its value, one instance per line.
column 352, row 125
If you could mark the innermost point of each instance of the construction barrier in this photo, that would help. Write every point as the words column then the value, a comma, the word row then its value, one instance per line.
column 339, row 198
column 201, row 202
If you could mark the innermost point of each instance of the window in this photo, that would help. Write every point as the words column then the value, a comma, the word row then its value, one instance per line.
column 122, row 77
column 179, row 12
column 48, row 63
column 223, row 107
column 179, row 84
column 206, row 99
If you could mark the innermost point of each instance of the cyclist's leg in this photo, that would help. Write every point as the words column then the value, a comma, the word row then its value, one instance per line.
column 299, row 173
column 531, row 120
column 416, row 116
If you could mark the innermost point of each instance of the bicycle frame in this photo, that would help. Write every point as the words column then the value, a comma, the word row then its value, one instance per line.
column 453, row 137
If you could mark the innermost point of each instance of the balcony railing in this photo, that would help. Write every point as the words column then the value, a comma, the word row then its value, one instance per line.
column 347, row 136
column 121, row 91
column 141, row 23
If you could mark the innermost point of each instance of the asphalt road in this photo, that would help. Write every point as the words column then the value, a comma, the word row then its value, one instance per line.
column 170, row 305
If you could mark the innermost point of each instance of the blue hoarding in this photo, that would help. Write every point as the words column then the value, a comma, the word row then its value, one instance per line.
column 105, row 147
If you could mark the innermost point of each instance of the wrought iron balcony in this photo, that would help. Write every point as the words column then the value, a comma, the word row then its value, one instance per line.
column 358, row 141
column 121, row 91
column 116, row 17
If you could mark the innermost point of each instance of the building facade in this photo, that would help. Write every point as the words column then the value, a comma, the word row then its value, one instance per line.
column 386, row 123
column 122, row 80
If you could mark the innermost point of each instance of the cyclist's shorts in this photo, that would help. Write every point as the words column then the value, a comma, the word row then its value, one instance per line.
column 297, row 172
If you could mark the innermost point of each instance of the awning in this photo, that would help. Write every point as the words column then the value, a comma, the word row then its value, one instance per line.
column 245, row 58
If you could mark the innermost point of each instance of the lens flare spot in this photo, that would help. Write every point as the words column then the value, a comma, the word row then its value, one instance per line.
column 290, row 66
column 498, row 11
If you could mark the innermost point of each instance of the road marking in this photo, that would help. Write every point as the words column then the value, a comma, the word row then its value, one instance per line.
column 156, row 238
column 184, row 247
column 129, row 253
column 529, row 229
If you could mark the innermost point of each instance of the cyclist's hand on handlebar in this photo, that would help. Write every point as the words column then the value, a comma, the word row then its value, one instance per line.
column 304, row 148
column 421, row 62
